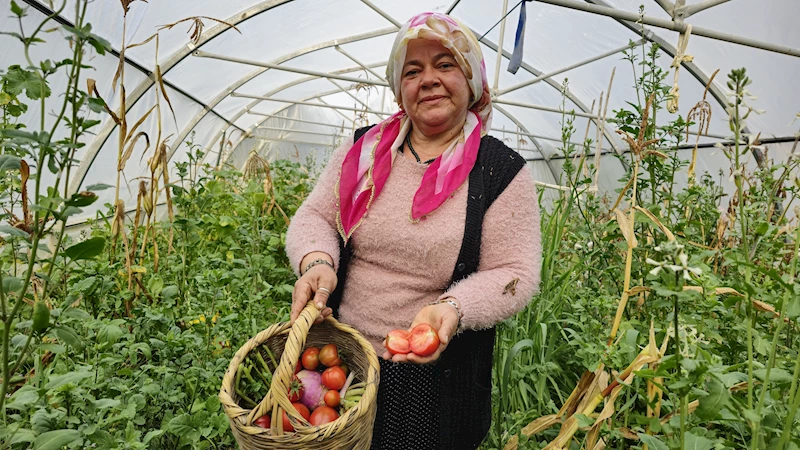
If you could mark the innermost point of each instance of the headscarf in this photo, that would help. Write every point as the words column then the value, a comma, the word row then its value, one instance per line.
column 367, row 165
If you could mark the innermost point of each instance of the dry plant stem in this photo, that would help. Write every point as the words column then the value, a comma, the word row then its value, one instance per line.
column 628, row 259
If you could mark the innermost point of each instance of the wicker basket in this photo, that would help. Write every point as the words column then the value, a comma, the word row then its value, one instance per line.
column 352, row 430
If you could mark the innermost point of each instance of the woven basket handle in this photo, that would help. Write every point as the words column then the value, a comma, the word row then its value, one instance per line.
column 277, row 399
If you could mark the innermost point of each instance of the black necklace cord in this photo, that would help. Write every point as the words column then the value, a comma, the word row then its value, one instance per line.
column 413, row 152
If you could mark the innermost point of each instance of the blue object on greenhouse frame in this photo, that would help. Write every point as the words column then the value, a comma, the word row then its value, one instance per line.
column 519, row 39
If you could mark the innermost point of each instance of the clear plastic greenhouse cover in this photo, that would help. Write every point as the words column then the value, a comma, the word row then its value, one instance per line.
column 228, row 102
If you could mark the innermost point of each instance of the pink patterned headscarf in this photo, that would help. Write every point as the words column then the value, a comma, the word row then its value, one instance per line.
column 367, row 165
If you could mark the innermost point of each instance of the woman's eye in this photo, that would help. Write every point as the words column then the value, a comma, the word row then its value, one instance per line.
column 411, row 72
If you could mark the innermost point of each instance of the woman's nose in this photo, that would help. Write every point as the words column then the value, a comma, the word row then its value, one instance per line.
column 429, row 78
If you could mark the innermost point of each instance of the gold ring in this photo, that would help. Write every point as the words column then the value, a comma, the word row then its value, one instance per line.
column 324, row 289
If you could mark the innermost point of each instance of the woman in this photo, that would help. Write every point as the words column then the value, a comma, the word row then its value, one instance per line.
column 424, row 218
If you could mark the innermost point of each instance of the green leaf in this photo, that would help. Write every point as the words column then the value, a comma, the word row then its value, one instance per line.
column 17, row 10
column 169, row 292
column 694, row 442
column 81, row 199
column 54, row 440
column 776, row 375
column 793, row 309
column 111, row 332
column 53, row 348
column 87, row 249
column 76, row 313
column 56, row 381
column 23, row 435
column 106, row 403
column 69, row 336
column 652, row 442
column 11, row 284
column 98, row 187
column 18, row 80
column 584, row 420
column 23, row 398
column 712, row 404
column 9, row 162
column 152, row 435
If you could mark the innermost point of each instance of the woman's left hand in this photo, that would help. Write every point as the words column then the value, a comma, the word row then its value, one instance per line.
column 442, row 317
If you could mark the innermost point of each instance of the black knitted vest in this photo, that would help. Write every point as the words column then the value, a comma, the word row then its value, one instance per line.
column 465, row 367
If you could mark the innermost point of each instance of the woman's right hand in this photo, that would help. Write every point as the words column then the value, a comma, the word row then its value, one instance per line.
column 316, row 284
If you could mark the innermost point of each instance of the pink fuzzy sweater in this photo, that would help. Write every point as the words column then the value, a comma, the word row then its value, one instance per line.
column 398, row 266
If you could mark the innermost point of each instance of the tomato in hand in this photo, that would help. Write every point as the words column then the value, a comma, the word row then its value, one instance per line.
column 397, row 342
column 424, row 340
column 295, row 389
column 263, row 421
column 301, row 408
column 323, row 415
column 310, row 358
column 329, row 356
column 334, row 378
column 332, row 398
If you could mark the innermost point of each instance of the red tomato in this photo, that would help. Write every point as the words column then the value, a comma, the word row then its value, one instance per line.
column 299, row 366
column 397, row 342
column 323, row 415
column 334, row 378
column 332, row 398
column 263, row 421
column 310, row 358
column 329, row 356
column 301, row 408
column 424, row 340
column 295, row 389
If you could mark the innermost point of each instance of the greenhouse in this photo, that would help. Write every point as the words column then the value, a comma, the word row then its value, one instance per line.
column 596, row 246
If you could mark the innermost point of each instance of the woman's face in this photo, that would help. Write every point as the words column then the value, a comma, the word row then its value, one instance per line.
column 434, row 91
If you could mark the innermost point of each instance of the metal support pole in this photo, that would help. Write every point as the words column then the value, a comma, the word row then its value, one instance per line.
column 453, row 6
column 382, row 13
column 679, row 11
column 293, row 130
column 336, row 110
column 288, row 141
column 698, row 7
column 353, row 58
column 568, row 68
column 379, row 114
column 500, row 47
column 203, row 54
column 275, row 116
column 577, row 113
column 666, row 5
column 295, row 102
column 670, row 25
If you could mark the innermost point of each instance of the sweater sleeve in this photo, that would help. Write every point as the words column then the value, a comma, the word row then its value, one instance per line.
column 313, row 227
column 511, row 256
